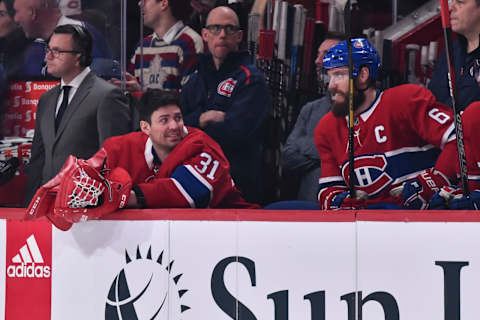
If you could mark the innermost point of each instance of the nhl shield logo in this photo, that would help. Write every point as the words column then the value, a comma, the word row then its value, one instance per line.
column 225, row 88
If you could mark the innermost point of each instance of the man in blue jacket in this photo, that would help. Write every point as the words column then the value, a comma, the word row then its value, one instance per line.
column 228, row 98
column 465, row 20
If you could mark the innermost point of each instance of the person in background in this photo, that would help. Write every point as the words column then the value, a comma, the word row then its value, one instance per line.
column 38, row 19
column 228, row 98
column 75, row 117
column 169, row 54
column 299, row 154
column 465, row 21
column 13, row 43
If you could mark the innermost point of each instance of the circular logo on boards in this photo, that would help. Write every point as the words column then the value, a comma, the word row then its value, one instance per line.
column 144, row 289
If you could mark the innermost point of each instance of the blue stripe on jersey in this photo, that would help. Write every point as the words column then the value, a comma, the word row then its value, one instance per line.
column 193, row 186
column 410, row 162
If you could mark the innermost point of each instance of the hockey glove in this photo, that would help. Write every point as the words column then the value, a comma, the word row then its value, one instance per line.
column 89, row 194
column 451, row 197
column 416, row 193
column 344, row 202
column 44, row 199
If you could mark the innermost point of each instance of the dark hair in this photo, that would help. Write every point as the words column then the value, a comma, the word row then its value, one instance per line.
column 82, row 41
column 181, row 9
column 336, row 35
column 154, row 99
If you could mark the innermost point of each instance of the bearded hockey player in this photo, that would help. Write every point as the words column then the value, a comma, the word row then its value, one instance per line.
column 398, row 134
column 166, row 165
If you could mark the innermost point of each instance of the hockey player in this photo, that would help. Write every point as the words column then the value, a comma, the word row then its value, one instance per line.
column 167, row 164
column 451, row 197
column 398, row 133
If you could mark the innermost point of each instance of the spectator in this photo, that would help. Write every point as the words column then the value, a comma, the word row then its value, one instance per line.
column 75, row 117
column 465, row 20
column 13, row 43
column 300, row 154
column 228, row 98
column 38, row 19
column 169, row 54
column 398, row 133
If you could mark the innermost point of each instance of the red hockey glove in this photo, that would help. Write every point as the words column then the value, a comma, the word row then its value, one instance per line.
column 88, row 194
column 44, row 199
column 417, row 192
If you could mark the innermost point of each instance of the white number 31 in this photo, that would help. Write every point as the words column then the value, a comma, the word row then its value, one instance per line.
column 205, row 163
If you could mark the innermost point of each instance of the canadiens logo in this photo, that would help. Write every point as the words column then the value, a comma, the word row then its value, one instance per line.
column 358, row 44
column 225, row 88
column 370, row 175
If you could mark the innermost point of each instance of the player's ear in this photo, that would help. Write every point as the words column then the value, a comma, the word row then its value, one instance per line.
column 363, row 77
column 145, row 127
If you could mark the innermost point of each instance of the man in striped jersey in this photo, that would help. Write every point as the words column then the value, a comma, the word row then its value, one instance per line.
column 169, row 53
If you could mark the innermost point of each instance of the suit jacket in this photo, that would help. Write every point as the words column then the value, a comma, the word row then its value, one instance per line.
column 97, row 111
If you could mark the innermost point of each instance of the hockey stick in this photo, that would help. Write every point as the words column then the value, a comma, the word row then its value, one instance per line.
column 447, row 32
column 351, row 150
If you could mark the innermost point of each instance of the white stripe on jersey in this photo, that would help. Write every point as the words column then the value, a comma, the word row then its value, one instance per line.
column 184, row 193
column 367, row 113
column 408, row 149
column 446, row 136
column 330, row 179
column 199, row 177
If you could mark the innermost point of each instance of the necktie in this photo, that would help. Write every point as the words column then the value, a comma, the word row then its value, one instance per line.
column 63, row 106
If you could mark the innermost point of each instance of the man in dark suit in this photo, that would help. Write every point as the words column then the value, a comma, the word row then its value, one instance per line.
column 75, row 117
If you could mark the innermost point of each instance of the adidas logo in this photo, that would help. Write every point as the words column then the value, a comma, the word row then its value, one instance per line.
column 25, row 262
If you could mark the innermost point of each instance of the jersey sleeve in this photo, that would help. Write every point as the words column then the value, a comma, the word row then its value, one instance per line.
column 431, row 120
column 330, row 182
column 448, row 162
column 200, row 181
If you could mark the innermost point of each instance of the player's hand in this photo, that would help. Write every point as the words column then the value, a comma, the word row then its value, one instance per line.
column 131, row 83
column 451, row 197
column 417, row 192
column 344, row 202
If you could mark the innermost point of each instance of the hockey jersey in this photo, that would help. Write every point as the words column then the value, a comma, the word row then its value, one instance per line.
column 195, row 174
column 167, row 62
column 398, row 136
column 448, row 159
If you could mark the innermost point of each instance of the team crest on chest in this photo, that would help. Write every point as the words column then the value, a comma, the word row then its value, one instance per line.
column 370, row 173
column 225, row 88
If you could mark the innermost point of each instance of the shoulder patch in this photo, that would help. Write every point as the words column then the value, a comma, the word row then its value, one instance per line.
column 226, row 87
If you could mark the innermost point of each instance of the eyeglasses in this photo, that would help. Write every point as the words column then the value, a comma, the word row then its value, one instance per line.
column 217, row 28
column 56, row 53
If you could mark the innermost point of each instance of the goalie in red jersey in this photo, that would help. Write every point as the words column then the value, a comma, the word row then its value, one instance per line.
column 399, row 133
column 166, row 165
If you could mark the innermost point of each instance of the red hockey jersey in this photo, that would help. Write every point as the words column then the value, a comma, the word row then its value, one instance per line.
column 398, row 136
column 448, row 160
column 195, row 174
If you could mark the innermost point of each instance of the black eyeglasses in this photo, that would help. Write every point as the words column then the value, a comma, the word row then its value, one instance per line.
column 217, row 28
column 56, row 53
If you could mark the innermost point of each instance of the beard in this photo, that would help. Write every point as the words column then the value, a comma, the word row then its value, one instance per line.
column 340, row 109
